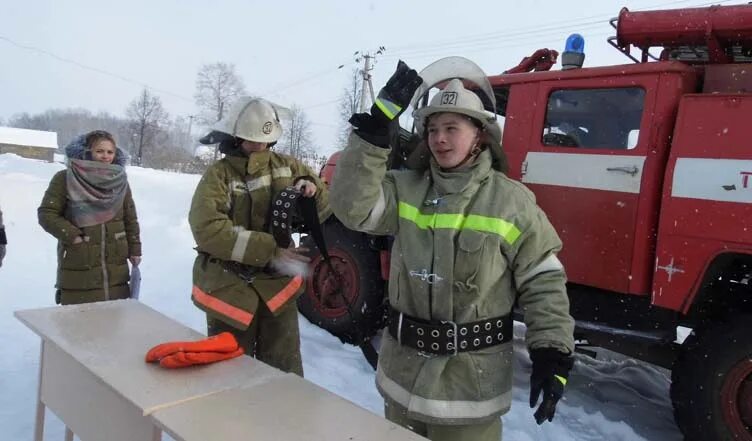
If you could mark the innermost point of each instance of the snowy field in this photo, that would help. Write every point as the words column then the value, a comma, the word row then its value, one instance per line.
column 607, row 399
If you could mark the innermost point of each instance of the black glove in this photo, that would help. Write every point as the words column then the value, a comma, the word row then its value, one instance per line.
column 392, row 100
column 550, row 371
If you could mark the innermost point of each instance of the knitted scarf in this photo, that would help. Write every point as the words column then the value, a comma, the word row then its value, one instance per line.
column 96, row 191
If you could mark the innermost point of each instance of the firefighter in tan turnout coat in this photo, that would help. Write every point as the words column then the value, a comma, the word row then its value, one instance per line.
column 244, row 281
column 469, row 243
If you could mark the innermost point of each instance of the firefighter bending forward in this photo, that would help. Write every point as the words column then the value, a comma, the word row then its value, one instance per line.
column 242, row 279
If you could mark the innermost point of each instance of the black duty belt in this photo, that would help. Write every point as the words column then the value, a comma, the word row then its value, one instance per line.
column 447, row 337
column 246, row 273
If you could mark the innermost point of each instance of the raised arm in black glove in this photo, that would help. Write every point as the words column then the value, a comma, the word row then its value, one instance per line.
column 550, row 372
column 392, row 100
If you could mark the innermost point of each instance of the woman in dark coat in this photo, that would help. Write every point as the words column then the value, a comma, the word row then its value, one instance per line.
column 89, row 209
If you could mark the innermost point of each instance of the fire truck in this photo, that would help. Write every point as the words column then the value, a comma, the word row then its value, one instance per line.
column 645, row 170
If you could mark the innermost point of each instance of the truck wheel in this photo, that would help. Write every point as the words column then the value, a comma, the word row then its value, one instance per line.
column 347, row 297
column 712, row 382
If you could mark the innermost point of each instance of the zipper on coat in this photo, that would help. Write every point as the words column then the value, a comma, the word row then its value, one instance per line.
column 105, row 276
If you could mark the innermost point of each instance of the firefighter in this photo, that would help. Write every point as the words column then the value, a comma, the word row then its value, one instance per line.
column 243, row 280
column 469, row 243
column 89, row 209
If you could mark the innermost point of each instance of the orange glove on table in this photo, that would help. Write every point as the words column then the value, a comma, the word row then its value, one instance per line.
column 185, row 359
column 188, row 353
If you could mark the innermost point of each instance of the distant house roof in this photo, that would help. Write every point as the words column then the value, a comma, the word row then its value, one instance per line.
column 28, row 138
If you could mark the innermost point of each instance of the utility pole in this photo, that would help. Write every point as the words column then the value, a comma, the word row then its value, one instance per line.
column 219, row 117
column 367, row 85
column 190, row 123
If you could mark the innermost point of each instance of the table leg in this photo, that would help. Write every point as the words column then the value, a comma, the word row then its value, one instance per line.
column 39, row 426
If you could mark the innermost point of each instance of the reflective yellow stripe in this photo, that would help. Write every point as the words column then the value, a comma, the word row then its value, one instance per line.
column 562, row 379
column 389, row 108
column 508, row 231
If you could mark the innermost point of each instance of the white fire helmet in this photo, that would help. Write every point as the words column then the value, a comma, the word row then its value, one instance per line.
column 252, row 119
column 455, row 98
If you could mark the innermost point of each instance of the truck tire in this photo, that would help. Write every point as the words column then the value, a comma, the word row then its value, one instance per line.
column 350, row 303
column 711, row 385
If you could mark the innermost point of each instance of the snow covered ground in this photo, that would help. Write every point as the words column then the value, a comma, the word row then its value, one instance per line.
column 611, row 398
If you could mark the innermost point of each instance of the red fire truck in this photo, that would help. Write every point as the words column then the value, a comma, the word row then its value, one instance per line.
column 645, row 170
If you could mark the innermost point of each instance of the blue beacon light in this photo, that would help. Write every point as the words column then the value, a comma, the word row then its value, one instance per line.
column 574, row 52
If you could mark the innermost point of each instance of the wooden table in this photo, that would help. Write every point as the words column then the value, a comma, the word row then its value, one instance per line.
column 286, row 408
column 92, row 372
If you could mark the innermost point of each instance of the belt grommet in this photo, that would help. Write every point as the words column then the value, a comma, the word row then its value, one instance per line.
column 476, row 329
column 500, row 336
column 435, row 333
column 450, row 333
column 463, row 331
column 487, row 326
column 489, row 340
column 499, row 323
column 420, row 331
column 463, row 344
column 435, row 346
column 420, row 344
column 476, row 342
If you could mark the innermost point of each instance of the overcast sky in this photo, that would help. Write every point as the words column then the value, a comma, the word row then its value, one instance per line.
column 287, row 51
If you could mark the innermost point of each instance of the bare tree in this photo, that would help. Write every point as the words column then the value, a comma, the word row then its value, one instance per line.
column 217, row 86
column 147, row 120
column 349, row 104
column 297, row 139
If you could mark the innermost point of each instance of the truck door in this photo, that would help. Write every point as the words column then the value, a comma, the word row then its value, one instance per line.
column 586, row 163
column 707, row 202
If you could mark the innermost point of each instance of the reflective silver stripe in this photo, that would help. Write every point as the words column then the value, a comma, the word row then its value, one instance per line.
column 237, row 187
column 255, row 184
column 399, row 329
column 282, row 172
column 442, row 408
column 550, row 263
column 372, row 221
column 241, row 243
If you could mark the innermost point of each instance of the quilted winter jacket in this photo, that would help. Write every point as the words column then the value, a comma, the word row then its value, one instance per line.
column 229, row 221
column 468, row 245
column 98, row 269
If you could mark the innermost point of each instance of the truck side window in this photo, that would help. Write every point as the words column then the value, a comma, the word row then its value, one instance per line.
column 594, row 118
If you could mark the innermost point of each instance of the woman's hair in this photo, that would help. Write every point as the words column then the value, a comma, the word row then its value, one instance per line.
column 93, row 137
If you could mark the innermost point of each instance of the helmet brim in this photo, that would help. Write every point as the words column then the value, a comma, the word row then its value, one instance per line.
column 215, row 137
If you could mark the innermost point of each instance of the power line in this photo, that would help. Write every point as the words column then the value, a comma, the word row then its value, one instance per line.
column 520, row 33
column 299, row 82
column 93, row 69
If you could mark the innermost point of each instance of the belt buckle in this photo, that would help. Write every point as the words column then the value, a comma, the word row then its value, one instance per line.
column 454, row 336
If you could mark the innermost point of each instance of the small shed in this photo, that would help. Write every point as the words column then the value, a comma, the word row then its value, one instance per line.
column 34, row 144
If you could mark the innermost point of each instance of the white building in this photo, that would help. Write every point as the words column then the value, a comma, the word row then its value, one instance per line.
column 34, row 144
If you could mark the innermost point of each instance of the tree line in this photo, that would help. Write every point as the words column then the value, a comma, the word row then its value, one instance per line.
column 153, row 138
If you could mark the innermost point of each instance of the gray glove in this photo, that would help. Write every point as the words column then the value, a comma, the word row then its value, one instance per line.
column 290, row 262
